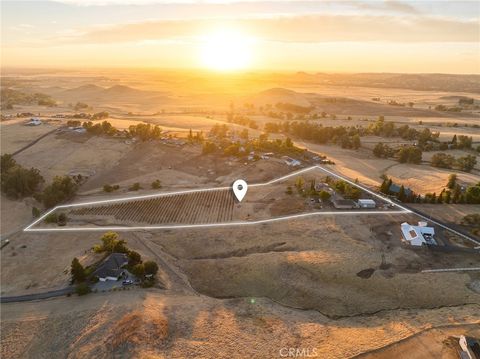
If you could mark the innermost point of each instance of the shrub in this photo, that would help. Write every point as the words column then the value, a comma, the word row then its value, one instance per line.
column 77, row 271
column 151, row 268
column 156, row 184
column 324, row 195
column 138, row 270
column 62, row 219
column 208, row 147
column 135, row 187
column 35, row 212
column 107, row 188
column 148, row 283
column 51, row 218
column 82, row 289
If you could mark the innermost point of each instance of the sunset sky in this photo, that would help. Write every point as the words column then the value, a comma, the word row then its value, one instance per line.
column 333, row 36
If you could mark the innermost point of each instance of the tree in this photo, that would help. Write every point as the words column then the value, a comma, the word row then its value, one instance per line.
column 442, row 160
column 452, row 181
column 378, row 150
column 440, row 196
column 232, row 150
column 324, row 195
column 472, row 194
column 7, row 162
column 299, row 183
column 454, row 141
column 448, row 196
column 288, row 142
column 151, row 268
column 457, row 191
column 209, row 147
column 109, row 240
column 401, row 194
column 145, row 131
column 77, row 271
column 62, row 188
column 134, row 258
column 119, row 246
column 356, row 143
column 138, row 270
column 244, row 134
column 19, row 182
column 385, row 187
column 82, row 289
column 466, row 163
column 410, row 154
column 51, row 218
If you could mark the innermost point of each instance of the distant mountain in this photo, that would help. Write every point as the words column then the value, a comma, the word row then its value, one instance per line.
column 279, row 95
column 83, row 91
column 419, row 82
column 93, row 94
column 121, row 90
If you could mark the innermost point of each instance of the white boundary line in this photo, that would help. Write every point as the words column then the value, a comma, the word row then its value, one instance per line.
column 207, row 225
column 450, row 270
column 210, row 225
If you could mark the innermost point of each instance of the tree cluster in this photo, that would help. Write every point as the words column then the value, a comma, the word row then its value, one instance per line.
column 241, row 120
column 404, row 195
column 145, row 271
column 347, row 137
column 145, row 131
column 443, row 160
column 103, row 128
column 62, row 188
column 17, row 181
column 10, row 97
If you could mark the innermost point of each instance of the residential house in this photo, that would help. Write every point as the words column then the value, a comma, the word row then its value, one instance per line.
column 112, row 267
column 418, row 235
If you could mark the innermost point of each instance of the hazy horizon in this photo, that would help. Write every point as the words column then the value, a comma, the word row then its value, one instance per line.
column 220, row 74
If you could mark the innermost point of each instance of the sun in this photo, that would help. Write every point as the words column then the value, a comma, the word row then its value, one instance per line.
column 226, row 50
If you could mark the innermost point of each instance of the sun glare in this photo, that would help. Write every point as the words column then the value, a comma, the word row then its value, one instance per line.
column 226, row 50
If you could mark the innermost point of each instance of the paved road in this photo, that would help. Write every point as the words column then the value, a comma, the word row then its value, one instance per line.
column 37, row 296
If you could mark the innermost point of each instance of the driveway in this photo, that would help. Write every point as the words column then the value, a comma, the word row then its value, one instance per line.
column 111, row 284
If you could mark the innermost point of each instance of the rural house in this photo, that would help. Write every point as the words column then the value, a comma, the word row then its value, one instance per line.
column 418, row 235
column 112, row 267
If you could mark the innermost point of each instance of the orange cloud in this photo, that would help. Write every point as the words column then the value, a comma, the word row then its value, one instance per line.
column 314, row 28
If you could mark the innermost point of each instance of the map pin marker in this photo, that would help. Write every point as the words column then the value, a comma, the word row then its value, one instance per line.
column 240, row 189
